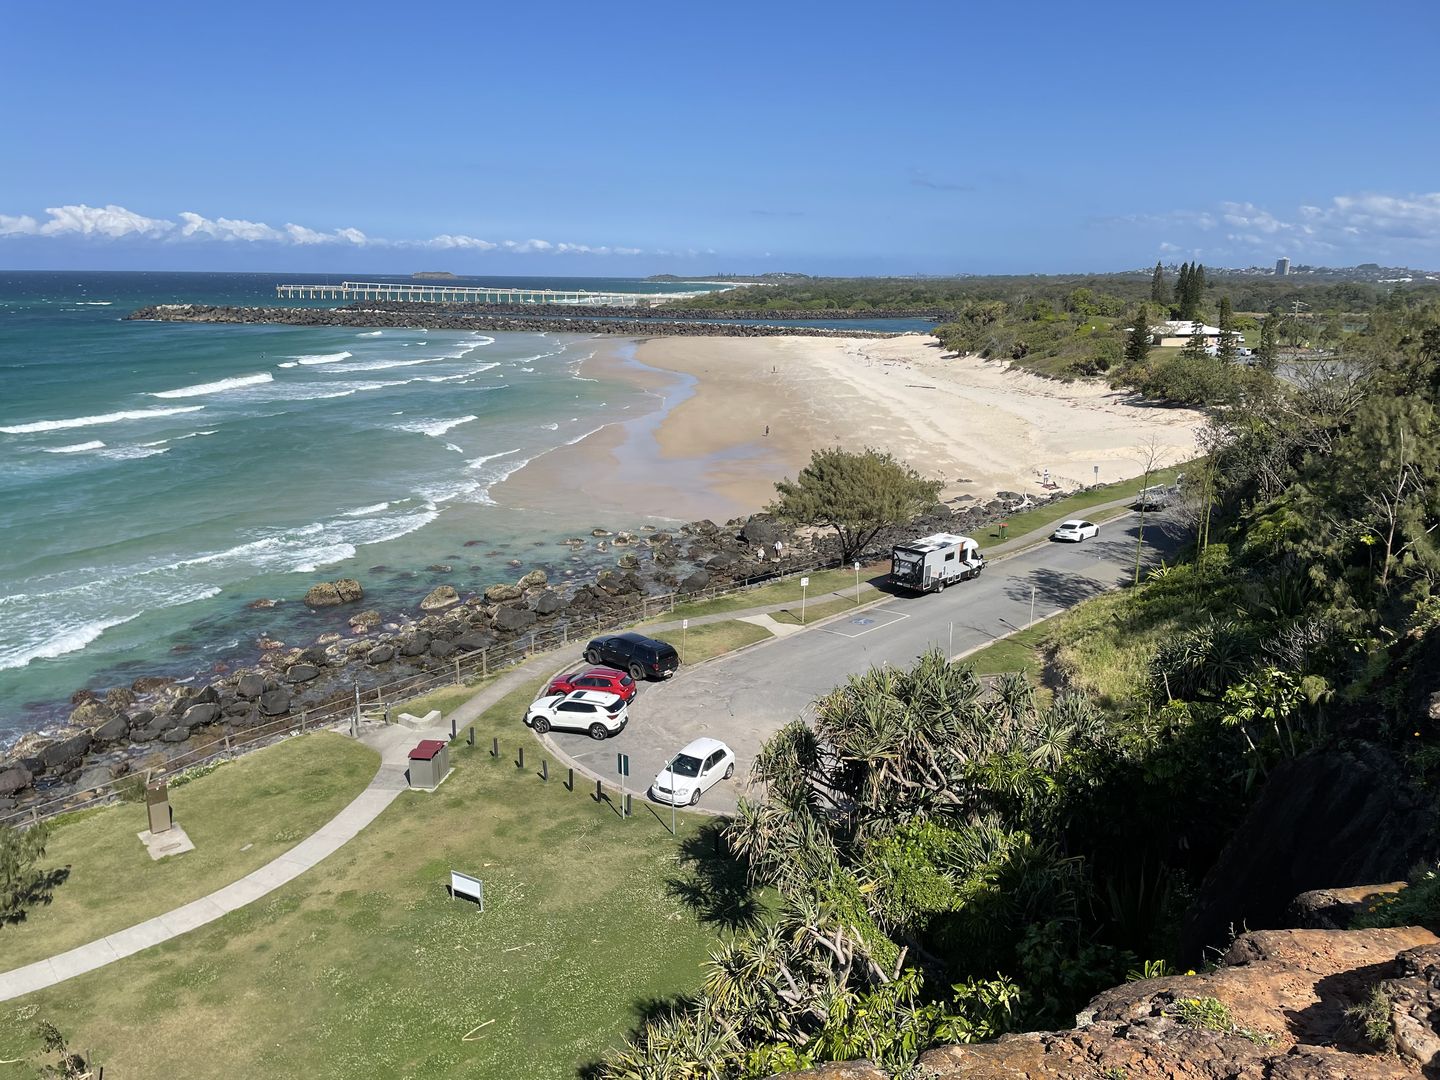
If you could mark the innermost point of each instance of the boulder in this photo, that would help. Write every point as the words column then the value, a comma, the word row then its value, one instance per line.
column 365, row 620
column 440, row 598
column 415, row 644
column 474, row 641
column 548, row 603
column 533, row 580
column 113, row 730
column 381, row 654
column 176, row 734
column 207, row 695
column 514, row 619
column 148, row 684
column 275, row 702
column 314, row 654
column 330, row 593
column 141, row 719
column 628, row 561
column 762, row 530
column 15, row 778
column 349, row 590
column 440, row 568
column 93, row 777
column 299, row 673
column 721, row 562
column 207, row 712
column 119, row 697
column 61, row 754
column 90, row 712
column 441, row 649
column 499, row 594
column 695, row 582
column 249, row 686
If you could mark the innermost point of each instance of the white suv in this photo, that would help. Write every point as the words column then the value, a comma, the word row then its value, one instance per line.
column 593, row 711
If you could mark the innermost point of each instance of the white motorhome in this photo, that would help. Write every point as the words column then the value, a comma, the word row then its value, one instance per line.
column 932, row 562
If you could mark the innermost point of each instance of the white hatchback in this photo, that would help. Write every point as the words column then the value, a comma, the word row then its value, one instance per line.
column 1075, row 531
column 692, row 772
column 598, row 714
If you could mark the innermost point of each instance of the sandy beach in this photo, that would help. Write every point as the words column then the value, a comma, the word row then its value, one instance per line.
column 980, row 426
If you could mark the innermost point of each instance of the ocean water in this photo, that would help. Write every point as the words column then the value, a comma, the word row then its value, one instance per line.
column 158, row 477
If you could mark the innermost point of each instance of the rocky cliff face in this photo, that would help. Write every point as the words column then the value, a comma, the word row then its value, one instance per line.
column 1276, row 1009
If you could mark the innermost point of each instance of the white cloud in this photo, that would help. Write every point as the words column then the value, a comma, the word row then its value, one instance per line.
column 108, row 221
column 114, row 222
column 227, row 228
column 1168, row 247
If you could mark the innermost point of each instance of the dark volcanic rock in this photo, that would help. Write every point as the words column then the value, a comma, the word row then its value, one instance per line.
column 113, row 730
column 15, row 778
column 275, row 702
column 177, row 734
column 416, row 644
column 381, row 654
column 207, row 712
column 141, row 719
column 474, row 641
column 90, row 712
column 761, row 531
column 548, row 603
column 148, row 684
column 299, row 673
column 330, row 593
column 249, row 686
column 514, row 619
column 441, row 649
column 119, row 697
column 499, row 594
column 58, row 755
column 695, row 582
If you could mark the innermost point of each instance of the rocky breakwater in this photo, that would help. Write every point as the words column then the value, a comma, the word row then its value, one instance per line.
column 416, row 315
column 112, row 731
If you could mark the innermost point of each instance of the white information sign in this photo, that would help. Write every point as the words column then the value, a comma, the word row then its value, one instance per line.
column 465, row 885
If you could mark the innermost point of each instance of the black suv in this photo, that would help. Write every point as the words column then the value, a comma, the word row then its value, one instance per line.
column 641, row 656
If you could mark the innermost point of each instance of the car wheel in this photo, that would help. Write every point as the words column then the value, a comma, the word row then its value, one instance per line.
column 729, row 770
column 591, row 656
column 539, row 725
column 637, row 672
column 599, row 732
column 695, row 797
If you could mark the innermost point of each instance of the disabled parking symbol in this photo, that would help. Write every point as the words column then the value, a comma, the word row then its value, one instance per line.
column 863, row 622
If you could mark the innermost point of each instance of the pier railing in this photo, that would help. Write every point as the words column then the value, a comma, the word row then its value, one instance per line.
column 346, row 710
column 470, row 294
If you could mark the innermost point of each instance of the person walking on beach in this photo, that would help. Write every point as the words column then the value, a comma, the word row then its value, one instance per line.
column 767, row 430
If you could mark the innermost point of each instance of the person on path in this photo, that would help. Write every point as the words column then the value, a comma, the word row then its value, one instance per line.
column 779, row 550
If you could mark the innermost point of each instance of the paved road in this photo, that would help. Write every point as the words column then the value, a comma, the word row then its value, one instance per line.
column 745, row 697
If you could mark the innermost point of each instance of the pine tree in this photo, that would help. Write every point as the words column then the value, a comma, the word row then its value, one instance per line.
column 1265, row 352
column 1159, row 290
column 1226, row 323
column 1182, row 290
column 1195, row 348
column 1137, row 343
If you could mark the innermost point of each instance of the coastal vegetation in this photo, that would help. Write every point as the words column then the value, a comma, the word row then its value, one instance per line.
column 951, row 859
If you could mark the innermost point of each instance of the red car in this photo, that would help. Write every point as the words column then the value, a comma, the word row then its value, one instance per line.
column 605, row 679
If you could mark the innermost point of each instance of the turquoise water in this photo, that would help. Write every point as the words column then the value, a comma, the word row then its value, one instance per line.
column 159, row 477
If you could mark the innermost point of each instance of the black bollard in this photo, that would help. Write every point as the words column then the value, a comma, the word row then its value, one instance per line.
column 520, row 758
column 599, row 792
column 495, row 746
column 570, row 779
column 452, row 729
column 470, row 738
column 545, row 770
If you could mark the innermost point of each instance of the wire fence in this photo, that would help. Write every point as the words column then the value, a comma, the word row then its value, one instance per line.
column 348, row 707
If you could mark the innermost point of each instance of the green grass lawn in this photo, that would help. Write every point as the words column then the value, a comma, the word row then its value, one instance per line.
column 240, row 817
column 712, row 639
column 364, row 966
column 447, row 699
column 816, row 612
column 1041, row 516
column 821, row 582
column 1018, row 652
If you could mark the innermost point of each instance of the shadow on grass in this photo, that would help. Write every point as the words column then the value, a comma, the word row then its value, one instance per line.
column 714, row 883
column 38, row 892
column 643, row 1011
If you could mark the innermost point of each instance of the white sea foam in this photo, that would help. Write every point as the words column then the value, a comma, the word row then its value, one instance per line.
column 76, row 448
column 200, row 389
column 452, row 446
column 196, row 434
column 475, row 463
column 372, row 333
column 94, row 303
column 551, row 427
column 290, row 363
column 310, row 359
column 434, row 427
column 381, row 365
column 95, row 421
column 132, row 453
column 362, row 511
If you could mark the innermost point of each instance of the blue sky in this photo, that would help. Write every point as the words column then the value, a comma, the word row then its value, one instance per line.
column 569, row 138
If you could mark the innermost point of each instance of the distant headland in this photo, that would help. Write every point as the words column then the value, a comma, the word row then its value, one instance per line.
column 434, row 275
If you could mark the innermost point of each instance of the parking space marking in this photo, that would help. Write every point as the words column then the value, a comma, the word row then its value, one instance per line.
column 864, row 624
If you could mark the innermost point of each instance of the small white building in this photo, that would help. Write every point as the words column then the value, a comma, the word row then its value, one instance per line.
column 1181, row 331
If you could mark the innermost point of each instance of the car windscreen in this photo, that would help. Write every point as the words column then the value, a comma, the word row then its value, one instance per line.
column 626, row 680
column 685, row 765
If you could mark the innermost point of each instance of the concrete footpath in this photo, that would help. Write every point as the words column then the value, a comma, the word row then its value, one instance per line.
column 393, row 742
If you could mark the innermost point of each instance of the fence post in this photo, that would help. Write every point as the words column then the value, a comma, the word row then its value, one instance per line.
column 457, row 669
column 570, row 778
column 599, row 792
column 484, row 663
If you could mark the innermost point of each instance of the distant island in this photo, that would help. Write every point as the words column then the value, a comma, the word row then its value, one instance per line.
column 434, row 275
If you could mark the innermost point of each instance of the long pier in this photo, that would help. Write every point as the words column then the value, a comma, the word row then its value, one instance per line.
column 469, row 294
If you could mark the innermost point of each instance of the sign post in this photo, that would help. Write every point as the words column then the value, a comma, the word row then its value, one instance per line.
column 1032, row 605
column 804, row 584
column 684, row 637
column 1097, row 474
column 672, row 794
column 857, row 583
column 622, row 766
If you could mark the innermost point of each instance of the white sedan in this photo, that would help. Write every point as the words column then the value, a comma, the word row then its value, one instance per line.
column 692, row 772
column 1075, row 531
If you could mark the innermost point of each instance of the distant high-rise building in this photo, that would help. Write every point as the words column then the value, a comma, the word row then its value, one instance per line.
column 1282, row 267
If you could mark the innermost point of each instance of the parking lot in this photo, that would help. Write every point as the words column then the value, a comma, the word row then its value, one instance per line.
column 744, row 698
